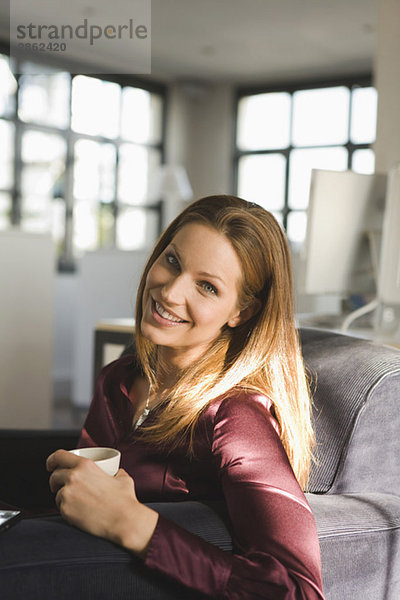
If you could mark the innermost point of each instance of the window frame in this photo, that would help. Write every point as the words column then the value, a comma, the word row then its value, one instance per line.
column 351, row 82
column 67, row 259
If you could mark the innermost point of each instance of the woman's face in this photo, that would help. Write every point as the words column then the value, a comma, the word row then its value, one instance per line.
column 191, row 292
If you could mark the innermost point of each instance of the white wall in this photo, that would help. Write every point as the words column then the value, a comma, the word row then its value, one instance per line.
column 387, row 146
column 66, row 307
column 387, row 81
column 27, row 271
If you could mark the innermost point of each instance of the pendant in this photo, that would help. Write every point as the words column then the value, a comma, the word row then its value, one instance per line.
column 142, row 417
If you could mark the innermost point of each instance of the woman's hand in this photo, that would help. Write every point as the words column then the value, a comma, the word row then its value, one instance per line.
column 99, row 504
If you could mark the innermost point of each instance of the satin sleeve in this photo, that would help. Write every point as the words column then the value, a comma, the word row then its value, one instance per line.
column 276, row 553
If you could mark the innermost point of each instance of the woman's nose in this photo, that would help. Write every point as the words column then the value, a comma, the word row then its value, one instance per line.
column 173, row 290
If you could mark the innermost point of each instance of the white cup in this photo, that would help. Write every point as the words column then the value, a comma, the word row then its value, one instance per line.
column 107, row 459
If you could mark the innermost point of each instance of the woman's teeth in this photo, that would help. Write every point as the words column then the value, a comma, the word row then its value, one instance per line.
column 166, row 315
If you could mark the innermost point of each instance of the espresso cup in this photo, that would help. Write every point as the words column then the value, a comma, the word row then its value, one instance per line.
column 107, row 459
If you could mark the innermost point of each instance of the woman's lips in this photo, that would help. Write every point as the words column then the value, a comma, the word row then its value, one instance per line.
column 163, row 316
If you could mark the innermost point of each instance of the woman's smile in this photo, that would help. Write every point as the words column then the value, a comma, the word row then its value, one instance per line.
column 164, row 316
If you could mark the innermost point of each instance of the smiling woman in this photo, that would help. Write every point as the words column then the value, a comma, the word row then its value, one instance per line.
column 212, row 406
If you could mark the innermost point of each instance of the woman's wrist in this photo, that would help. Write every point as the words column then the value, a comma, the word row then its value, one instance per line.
column 134, row 531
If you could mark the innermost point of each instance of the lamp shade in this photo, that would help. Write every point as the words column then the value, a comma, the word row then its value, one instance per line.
column 170, row 182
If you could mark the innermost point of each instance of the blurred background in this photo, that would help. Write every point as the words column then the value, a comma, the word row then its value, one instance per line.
column 245, row 97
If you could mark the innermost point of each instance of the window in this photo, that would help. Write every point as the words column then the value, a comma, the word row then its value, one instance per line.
column 281, row 135
column 76, row 157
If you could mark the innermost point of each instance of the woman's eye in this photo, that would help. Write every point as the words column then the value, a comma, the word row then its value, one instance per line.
column 209, row 288
column 171, row 260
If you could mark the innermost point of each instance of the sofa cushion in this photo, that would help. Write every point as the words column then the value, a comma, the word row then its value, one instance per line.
column 45, row 558
column 359, row 536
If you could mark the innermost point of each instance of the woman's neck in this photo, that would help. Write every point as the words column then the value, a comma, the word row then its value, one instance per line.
column 170, row 363
column 173, row 360
column 166, row 379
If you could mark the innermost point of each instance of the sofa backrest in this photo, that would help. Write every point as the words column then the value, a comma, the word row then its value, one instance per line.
column 356, row 392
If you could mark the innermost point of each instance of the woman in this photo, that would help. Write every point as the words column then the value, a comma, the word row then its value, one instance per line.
column 214, row 404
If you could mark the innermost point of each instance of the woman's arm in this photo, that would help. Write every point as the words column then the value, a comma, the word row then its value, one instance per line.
column 277, row 551
column 107, row 507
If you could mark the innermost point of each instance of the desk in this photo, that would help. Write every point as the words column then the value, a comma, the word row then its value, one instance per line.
column 110, row 339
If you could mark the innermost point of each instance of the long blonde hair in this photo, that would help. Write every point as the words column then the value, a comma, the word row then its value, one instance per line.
column 262, row 354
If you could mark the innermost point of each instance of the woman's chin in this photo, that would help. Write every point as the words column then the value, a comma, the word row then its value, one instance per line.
column 153, row 334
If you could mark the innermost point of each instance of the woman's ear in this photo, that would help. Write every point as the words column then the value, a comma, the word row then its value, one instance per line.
column 245, row 314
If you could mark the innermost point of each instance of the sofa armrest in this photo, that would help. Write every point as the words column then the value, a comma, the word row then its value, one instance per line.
column 23, row 475
column 356, row 393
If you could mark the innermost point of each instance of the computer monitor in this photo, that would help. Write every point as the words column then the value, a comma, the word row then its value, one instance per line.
column 344, row 227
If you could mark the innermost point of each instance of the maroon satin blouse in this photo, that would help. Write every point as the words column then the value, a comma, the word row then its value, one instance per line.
column 238, row 457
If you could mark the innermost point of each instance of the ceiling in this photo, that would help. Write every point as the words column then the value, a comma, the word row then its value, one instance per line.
column 245, row 41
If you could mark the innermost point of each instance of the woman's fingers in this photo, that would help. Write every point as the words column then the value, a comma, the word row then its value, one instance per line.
column 58, row 499
column 123, row 475
column 67, row 468
column 62, row 459
column 59, row 478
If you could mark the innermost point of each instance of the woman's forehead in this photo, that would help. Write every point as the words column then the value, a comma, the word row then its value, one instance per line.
column 205, row 249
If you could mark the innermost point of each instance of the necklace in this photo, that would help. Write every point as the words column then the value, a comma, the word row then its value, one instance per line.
column 145, row 413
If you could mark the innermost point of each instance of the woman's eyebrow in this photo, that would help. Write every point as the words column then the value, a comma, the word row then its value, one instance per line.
column 211, row 276
column 175, row 249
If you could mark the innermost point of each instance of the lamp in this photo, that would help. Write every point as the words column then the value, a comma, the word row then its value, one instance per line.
column 171, row 184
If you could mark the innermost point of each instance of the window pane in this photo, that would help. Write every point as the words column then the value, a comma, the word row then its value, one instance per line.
column 106, row 225
column 94, row 171
column 264, row 121
column 136, row 228
column 279, row 217
column 135, row 168
column 95, row 106
column 5, row 210
column 301, row 164
column 50, row 219
column 6, row 153
column 44, row 99
column 320, row 116
column 94, row 193
column 58, row 223
column 363, row 115
column 261, row 179
column 296, row 226
column 8, row 87
column 141, row 118
column 363, row 161
column 86, row 233
column 39, row 147
column 42, row 178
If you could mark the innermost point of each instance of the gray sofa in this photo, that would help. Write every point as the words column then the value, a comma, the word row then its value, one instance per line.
column 354, row 494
